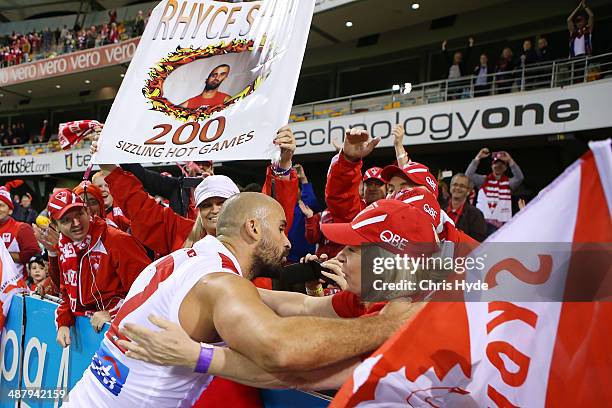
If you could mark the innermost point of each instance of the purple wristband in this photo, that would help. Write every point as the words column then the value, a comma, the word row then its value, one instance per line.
column 206, row 355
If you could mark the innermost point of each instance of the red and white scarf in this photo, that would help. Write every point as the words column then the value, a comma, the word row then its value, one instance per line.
column 70, row 257
column 495, row 200
column 71, row 133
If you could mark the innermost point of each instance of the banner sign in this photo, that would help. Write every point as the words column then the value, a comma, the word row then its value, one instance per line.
column 550, row 111
column 45, row 368
column 72, row 161
column 209, row 81
column 79, row 61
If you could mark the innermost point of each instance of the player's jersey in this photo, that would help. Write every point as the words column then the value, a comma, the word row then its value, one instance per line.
column 199, row 101
column 114, row 380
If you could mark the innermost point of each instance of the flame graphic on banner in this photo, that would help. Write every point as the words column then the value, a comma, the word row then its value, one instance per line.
column 153, row 89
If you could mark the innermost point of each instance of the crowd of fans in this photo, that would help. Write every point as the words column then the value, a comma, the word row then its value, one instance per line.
column 501, row 75
column 91, row 242
column 155, row 214
column 18, row 48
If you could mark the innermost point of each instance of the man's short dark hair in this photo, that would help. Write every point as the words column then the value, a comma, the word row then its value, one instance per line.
column 221, row 66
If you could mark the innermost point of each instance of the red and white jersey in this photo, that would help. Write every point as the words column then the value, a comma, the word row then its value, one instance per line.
column 115, row 380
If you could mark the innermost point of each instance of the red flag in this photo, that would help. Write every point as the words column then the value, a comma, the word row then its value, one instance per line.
column 11, row 282
column 71, row 133
column 515, row 354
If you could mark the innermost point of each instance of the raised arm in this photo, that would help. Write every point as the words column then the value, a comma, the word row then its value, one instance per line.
column 477, row 179
column 344, row 175
column 398, row 143
column 591, row 21
column 570, row 19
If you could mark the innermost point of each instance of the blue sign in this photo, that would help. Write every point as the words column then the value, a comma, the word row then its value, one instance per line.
column 44, row 366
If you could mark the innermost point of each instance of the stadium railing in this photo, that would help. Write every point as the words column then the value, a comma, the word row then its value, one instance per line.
column 553, row 74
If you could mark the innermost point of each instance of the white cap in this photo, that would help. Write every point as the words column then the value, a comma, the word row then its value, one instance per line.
column 215, row 186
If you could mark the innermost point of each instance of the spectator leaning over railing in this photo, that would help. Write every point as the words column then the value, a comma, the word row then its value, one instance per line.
column 581, row 30
column 495, row 194
column 482, row 78
column 466, row 217
column 457, row 67
column 542, row 53
column 97, row 264
column 18, row 237
column 504, row 71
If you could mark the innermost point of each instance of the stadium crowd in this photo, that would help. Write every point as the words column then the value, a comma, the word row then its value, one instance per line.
column 490, row 76
column 18, row 48
column 91, row 242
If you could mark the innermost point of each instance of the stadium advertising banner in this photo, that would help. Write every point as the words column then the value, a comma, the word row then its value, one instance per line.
column 553, row 111
column 70, row 63
column 209, row 80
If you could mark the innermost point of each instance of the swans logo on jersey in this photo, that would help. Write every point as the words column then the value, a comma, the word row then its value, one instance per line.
column 427, row 208
column 431, row 183
column 111, row 372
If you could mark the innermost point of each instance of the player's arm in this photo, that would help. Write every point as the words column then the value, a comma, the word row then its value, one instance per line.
column 172, row 346
column 292, row 343
column 297, row 304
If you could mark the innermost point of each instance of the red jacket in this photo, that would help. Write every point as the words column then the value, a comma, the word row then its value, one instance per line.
column 18, row 237
column 113, row 257
column 121, row 221
column 163, row 230
column 342, row 189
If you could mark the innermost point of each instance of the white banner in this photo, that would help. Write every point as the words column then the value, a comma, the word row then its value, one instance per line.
column 550, row 111
column 209, row 81
column 72, row 161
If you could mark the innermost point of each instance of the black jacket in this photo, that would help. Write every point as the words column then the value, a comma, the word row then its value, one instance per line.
column 177, row 190
column 472, row 222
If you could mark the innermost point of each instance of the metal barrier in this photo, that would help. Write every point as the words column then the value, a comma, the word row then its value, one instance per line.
column 554, row 74
column 525, row 78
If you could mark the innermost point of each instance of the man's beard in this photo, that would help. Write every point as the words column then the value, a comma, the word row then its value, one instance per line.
column 212, row 87
column 267, row 260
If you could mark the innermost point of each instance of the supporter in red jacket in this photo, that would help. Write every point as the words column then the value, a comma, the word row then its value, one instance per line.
column 113, row 212
column 18, row 237
column 164, row 231
column 97, row 264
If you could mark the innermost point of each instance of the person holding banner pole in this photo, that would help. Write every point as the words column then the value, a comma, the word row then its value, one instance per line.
column 164, row 231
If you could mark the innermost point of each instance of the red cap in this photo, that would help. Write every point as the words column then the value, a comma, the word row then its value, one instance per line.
column 61, row 201
column 5, row 197
column 422, row 201
column 373, row 173
column 391, row 223
column 416, row 172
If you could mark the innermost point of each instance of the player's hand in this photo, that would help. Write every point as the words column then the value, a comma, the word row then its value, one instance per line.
column 63, row 336
column 358, row 144
column 99, row 319
column 171, row 346
column 484, row 152
column 286, row 141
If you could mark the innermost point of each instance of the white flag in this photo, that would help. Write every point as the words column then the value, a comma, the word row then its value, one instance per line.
column 209, row 81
